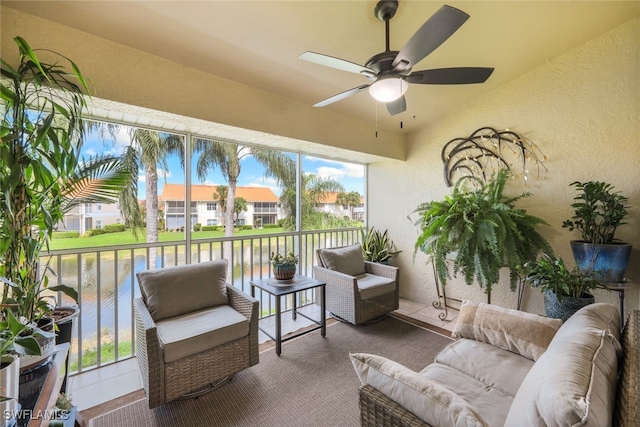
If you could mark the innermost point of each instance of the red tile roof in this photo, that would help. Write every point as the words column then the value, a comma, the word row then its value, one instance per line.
column 204, row 193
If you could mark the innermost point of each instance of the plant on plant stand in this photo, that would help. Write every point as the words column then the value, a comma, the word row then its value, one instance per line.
column 377, row 246
column 480, row 231
column 598, row 212
column 42, row 175
column 565, row 291
column 284, row 266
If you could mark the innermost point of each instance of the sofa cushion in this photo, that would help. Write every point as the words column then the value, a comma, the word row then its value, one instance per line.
column 524, row 333
column 574, row 381
column 347, row 259
column 428, row 400
column 199, row 331
column 371, row 286
column 479, row 360
column 490, row 403
column 172, row 291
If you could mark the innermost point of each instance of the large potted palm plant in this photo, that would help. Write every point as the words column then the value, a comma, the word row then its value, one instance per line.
column 598, row 212
column 42, row 174
column 479, row 230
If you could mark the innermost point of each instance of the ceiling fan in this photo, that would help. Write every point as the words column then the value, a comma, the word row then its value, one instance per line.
column 391, row 70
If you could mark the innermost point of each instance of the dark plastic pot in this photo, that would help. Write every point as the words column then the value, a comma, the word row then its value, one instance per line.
column 64, row 317
column 566, row 306
column 607, row 262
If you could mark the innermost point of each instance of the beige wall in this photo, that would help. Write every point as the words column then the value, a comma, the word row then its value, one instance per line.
column 132, row 77
column 582, row 109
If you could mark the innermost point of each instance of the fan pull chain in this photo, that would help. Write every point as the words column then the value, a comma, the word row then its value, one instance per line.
column 376, row 119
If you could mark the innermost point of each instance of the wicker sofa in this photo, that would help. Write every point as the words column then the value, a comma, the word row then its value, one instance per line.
column 587, row 375
column 193, row 330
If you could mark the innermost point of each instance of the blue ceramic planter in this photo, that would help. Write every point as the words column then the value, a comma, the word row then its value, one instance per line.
column 607, row 262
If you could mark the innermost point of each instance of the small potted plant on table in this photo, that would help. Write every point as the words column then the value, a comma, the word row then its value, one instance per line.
column 284, row 266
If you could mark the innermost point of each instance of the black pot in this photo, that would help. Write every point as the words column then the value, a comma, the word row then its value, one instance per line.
column 566, row 306
column 608, row 263
column 64, row 318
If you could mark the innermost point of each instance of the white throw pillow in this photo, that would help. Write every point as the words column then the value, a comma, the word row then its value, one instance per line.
column 430, row 401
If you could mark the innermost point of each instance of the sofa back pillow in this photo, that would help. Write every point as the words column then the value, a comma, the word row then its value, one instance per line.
column 523, row 333
column 428, row 400
column 574, row 381
column 346, row 259
column 172, row 291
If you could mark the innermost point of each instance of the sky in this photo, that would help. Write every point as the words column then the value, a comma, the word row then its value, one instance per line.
column 350, row 175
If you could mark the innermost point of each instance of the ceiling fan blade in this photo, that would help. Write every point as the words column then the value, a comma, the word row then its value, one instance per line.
column 451, row 76
column 432, row 34
column 341, row 96
column 397, row 106
column 340, row 64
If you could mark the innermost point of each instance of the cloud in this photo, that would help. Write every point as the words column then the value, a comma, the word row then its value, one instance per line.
column 337, row 169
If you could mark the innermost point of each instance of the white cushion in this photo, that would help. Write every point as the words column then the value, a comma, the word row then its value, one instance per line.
column 430, row 401
column 173, row 291
column 199, row 331
column 524, row 333
column 574, row 381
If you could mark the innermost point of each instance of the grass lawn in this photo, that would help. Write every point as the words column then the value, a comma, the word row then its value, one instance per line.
column 126, row 238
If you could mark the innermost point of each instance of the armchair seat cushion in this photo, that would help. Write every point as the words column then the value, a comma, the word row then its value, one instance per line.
column 192, row 333
column 372, row 286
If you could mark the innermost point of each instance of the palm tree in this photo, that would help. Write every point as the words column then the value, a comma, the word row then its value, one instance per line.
column 227, row 156
column 149, row 149
column 240, row 205
column 221, row 194
column 314, row 190
column 349, row 200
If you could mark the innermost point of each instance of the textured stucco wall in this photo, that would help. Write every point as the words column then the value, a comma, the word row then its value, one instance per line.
column 582, row 109
column 135, row 78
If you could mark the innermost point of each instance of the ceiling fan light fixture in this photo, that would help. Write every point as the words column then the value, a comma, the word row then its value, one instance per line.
column 388, row 88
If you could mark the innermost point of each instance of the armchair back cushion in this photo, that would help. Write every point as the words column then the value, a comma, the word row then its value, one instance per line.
column 347, row 259
column 173, row 291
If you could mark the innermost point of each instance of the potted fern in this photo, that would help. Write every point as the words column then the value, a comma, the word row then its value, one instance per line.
column 565, row 291
column 479, row 230
column 598, row 212
column 377, row 246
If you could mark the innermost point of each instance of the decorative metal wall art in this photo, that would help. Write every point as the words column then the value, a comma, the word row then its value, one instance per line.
column 486, row 151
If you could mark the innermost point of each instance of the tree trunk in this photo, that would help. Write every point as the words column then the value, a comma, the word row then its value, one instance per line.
column 151, row 186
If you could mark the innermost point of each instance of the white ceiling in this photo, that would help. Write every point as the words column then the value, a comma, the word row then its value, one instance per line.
column 257, row 43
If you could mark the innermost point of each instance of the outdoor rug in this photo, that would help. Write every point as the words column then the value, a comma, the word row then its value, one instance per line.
column 311, row 384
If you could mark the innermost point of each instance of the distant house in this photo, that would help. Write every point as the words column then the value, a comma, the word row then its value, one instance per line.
column 329, row 204
column 86, row 216
column 262, row 206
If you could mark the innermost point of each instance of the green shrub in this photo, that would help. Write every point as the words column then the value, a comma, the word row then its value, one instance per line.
column 209, row 228
column 66, row 234
column 114, row 228
column 271, row 226
column 197, row 227
column 94, row 232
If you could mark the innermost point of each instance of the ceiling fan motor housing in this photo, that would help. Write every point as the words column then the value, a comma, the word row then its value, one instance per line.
column 386, row 9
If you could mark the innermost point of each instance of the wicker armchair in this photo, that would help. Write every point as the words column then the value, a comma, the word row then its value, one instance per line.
column 193, row 330
column 357, row 291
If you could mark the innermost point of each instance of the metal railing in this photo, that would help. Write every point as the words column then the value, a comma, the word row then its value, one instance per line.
column 104, row 277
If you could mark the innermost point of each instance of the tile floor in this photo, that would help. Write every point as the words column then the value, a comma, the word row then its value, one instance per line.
column 101, row 385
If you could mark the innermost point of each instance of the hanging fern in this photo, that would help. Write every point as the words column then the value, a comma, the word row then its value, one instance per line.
column 481, row 230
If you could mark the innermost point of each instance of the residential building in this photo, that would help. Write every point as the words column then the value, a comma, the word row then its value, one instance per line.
column 263, row 206
column 86, row 216
column 330, row 204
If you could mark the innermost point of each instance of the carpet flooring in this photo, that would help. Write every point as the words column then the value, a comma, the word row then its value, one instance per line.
column 311, row 384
